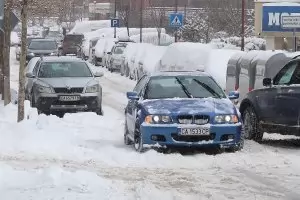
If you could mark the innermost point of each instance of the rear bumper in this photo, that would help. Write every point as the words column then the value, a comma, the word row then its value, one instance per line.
column 51, row 102
column 168, row 135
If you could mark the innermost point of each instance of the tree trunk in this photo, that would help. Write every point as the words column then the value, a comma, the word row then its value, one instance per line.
column 21, row 96
column 6, row 52
column 1, row 65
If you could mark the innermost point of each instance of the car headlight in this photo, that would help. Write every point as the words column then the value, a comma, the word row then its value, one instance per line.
column 158, row 119
column 226, row 119
column 31, row 54
column 44, row 89
column 53, row 54
column 92, row 89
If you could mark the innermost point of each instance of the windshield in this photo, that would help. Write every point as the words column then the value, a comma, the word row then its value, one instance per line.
column 119, row 50
column 64, row 69
column 183, row 87
column 42, row 45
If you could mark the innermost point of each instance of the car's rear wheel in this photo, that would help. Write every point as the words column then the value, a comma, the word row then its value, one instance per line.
column 252, row 130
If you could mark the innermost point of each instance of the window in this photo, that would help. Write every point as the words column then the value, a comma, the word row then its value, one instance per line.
column 296, row 76
column 64, row 69
column 284, row 76
column 119, row 50
column 183, row 87
column 42, row 45
column 36, row 68
column 140, row 85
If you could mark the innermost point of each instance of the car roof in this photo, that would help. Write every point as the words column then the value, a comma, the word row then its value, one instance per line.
column 43, row 40
column 180, row 73
column 61, row 59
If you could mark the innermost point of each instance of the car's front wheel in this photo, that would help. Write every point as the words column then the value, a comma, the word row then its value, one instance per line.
column 252, row 130
column 138, row 140
column 127, row 141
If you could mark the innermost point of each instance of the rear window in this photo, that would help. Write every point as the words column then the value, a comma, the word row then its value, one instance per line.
column 73, row 38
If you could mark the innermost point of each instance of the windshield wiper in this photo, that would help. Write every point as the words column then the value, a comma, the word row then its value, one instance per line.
column 208, row 88
column 184, row 88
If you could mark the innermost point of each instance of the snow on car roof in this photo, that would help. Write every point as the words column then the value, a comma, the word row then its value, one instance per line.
column 61, row 59
column 179, row 73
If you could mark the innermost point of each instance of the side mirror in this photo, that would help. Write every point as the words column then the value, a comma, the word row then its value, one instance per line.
column 98, row 74
column 267, row 82
column 234, row 95
column 109, row 53
column 132, row 96
column 19, row 44
column 29, row 75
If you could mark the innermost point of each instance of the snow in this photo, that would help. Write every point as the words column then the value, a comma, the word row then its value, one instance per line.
column 14, row 38
column 82, row 156
column 281, row 3
column 152, row 56
column 152, row 38
column 88, row 26
column 185, row 56
column 217, row 64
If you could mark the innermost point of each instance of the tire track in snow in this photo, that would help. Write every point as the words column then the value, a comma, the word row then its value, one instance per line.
column 191, row 181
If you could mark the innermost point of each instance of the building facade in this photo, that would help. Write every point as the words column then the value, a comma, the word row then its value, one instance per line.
column 268, row 23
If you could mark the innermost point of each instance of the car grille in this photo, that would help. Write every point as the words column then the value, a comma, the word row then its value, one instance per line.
column 68, row 90
column 196, row 138
column 42, row 54
column 193, row 119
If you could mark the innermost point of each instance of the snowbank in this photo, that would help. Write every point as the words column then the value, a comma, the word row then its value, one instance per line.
column 14, row 38
column 88, row 26
column 152, row 38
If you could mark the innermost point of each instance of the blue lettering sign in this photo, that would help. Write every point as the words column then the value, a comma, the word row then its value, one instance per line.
column 271, row 17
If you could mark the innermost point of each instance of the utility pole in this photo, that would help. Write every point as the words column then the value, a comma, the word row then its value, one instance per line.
column 243, row 26
column 176, row 10
column 141, row 21
column 115, row 28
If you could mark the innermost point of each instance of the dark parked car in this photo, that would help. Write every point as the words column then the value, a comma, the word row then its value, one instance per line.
column 71, row 44
column 274, row 108
column 41, row 47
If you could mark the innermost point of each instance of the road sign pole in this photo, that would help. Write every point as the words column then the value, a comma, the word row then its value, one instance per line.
column 176, row 29
column 115, row 28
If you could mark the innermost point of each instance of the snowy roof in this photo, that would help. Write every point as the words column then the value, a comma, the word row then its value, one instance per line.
column 278, row 1
column 281, row 4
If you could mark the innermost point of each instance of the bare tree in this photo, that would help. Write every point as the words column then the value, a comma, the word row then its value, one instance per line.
column 124, row 15
column 158, row 15
column 21, row 96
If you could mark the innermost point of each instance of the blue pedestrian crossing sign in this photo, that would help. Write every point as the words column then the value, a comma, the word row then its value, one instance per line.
column 176, row 20
column 115, row 23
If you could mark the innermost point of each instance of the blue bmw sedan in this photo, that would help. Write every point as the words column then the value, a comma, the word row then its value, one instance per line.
column 181, row 109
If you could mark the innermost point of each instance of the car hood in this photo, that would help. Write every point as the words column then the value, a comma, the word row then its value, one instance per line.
column 68, row 82
column 41, row 51
column 189, row 106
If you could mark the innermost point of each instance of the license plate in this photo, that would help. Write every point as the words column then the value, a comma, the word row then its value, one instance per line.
column 194, row 131
column 69, row 98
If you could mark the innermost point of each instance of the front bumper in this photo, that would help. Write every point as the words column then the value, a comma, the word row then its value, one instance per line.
column 225, row 136
column 51, row 102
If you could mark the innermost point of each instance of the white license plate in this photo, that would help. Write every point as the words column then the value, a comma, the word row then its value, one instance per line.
column 69, row 98
column 194, row 131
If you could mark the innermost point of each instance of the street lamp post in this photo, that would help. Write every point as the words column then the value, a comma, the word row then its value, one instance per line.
column 243, row 26
column 94, row 10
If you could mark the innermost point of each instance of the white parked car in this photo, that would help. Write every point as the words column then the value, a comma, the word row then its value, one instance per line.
column 103, row 46
column 115, row 59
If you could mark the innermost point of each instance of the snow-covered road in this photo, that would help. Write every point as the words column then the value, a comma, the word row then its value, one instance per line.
column 82, row 156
